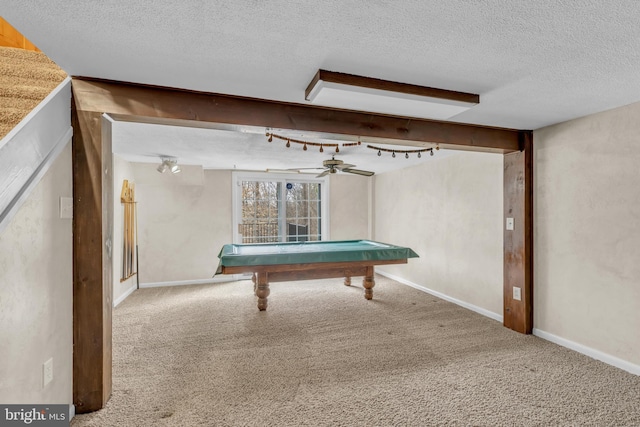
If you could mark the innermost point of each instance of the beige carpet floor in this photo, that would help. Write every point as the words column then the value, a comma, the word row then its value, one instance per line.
column 324, row 356
column 26, row 78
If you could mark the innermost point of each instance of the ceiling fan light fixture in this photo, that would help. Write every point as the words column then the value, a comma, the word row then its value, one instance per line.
column 359, row 93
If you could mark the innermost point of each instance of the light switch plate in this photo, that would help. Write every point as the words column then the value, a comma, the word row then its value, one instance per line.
column 66, row 207
column 516, row 294
column 509, row 223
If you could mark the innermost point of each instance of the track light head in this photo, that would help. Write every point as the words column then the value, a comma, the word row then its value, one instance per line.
column 169, row 164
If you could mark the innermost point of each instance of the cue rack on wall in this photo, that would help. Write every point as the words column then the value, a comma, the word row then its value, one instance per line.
column 130, row 229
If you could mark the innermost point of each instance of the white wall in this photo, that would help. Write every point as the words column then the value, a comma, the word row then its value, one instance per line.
column 587, row 232
column 36, row 286
column 448, row 210
column 183, row 221
column 121, row 170
column 349, row 199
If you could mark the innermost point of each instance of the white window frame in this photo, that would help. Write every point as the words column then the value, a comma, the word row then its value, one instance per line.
column 236, row 182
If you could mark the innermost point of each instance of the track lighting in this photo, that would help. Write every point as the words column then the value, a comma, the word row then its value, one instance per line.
column 169, row 164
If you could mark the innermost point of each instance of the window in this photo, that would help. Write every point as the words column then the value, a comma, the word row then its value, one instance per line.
column 279, row 208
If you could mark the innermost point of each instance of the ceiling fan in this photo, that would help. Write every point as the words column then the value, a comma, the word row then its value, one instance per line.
column 334, row 165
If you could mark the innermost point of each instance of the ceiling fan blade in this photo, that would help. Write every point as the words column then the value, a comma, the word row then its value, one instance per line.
column 302, row 169
column 344, row 166
column 359, row 172
column 325, row 173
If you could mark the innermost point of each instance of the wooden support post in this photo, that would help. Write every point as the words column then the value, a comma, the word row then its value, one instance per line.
column 518, row 237
column 92, row 267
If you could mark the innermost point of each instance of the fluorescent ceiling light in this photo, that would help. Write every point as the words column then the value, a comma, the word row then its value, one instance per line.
column 351, row 92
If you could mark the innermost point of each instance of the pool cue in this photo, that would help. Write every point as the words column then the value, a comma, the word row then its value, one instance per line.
column 123, row 200
column 130, row 234
column 135, row 214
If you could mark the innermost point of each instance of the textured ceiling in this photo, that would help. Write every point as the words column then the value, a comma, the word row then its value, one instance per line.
column 534, row 63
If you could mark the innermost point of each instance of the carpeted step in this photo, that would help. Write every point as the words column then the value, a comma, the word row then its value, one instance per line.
column 13, row 110
column 9, row 116
column 26, row 78
column 21, row 89
column 29, row 64
column 23, row 103
column 34, row 71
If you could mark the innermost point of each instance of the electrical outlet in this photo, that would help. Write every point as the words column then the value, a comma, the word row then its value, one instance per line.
column 516, row 294
column 47, row 372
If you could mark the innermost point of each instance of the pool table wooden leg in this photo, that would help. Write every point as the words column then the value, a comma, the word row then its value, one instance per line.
column 347, row 281
column 368, row 283
column 262, row 290
column 255, row 283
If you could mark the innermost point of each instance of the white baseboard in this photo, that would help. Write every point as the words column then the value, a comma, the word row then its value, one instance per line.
column 216, row 279
column 479, row 310
column 125, row 295
column 72, row 411
column 588, row 351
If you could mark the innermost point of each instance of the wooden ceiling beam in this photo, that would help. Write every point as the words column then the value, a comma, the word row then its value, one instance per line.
column 386, row 85
column 155, row 104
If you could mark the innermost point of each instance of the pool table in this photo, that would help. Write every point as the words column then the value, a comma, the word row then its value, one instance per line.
column 281, row 262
